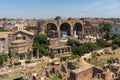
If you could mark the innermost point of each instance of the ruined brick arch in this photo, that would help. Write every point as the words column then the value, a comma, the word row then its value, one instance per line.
column 56, row 25
column 51, row 26
column 51, row 30
column 65, row 29
column 77, row 28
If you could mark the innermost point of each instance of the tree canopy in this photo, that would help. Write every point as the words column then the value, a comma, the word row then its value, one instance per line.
column 41, row 40
column 40, row 44
column 107, row 27
column 83, row 48
column 31, row 28
column 103, row 43
column 116, row 40
column 3, row 30
column 3, row 57
column 73, row 42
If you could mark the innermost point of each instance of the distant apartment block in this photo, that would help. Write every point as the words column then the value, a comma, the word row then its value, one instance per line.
column 115, row 29
column 5, row 40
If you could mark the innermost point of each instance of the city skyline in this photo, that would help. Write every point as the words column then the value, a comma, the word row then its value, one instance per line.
column 63, row 8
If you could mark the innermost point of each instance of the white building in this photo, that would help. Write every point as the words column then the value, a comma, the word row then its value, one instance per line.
column 18, row 27
column 115, row 29
column 14, row 27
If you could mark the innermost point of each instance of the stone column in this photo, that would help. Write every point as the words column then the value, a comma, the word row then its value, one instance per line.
column 32, row 55
column 63, row 51
column 56, row 51
column 60, row 51
column 83, row 30
column 25, row 56
column 72, row 35
column 59, row 34
column 38, row 54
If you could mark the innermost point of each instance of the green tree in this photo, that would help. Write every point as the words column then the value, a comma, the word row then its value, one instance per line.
column 58, row 18
column 80, row 50
column 42, row 51
column 42, row 40
column 52, row 55
column 109, row 61
column 73, row 42
column 107, row 27
column 91, row 46
column 83, row 49
column 116, row 41
column 3, row 57
column 103, row 43
column 31, row 28
column 40, row 44
column 3, row 30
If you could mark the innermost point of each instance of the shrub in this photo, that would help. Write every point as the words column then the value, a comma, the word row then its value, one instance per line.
column 97, row 54
column 114, row 47
column 56, row 78
column 85, row 59
column 63, row 58
column 101, row 53
column 94, row 54
column 28, row 61
column 52, row 55
column 89, row 59
column 73, row 56
column 109, row 61
column 51, row 63
column 17, row 63
column 103, row 43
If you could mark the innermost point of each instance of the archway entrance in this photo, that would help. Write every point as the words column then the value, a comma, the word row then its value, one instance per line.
column 65, row 30
column 77, row 30
column 52, row 30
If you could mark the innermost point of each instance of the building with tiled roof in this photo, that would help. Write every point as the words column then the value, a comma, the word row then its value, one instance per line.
column 22, row 44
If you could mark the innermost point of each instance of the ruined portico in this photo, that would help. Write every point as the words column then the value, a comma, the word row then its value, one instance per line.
column 60, row 49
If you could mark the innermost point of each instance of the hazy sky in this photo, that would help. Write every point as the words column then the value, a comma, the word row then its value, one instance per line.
column 63, row 8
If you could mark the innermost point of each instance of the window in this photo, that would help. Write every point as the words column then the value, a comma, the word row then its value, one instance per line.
column 3, row 39
column 15, row 38
column 24, row 38
column 116, row 29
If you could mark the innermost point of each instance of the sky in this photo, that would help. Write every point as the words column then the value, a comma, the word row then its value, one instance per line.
column 63, row 8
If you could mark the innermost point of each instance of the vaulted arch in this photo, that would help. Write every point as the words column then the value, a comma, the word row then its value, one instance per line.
column 65, row 29
column 52, row 30
column 77, row 29
column 51, row 26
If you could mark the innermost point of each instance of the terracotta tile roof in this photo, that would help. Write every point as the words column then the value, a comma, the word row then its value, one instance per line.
column 27, row 32
column 4, row 34
column 18, row 41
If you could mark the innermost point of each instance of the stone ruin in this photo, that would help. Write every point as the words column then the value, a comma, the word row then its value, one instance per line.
column 68, row 71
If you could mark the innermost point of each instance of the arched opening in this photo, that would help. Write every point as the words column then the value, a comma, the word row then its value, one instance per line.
column 51, row 30
column 24, row 38
column 77, row 30
column 65, row 30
